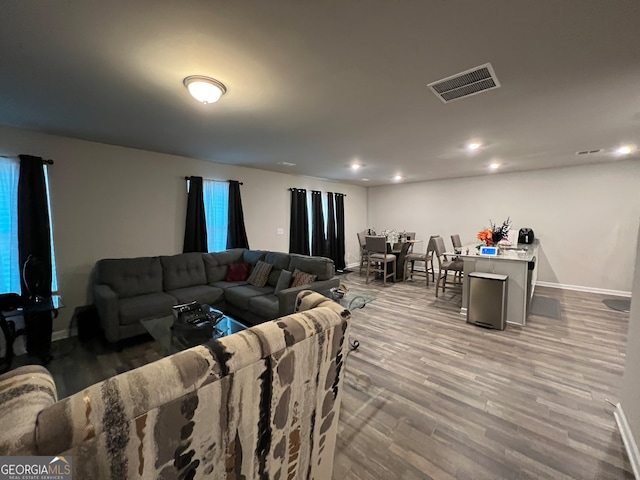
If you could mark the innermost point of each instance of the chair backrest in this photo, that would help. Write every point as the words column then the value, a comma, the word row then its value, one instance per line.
column 362, row 239
column 455, row 239
column 439, row 246
column 377, row 244
column 431, row 246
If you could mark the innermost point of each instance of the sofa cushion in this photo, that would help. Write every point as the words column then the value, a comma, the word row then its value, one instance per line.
column 237, row 272
column 181, row 271
column 284, row 281
column 200, row 293
column 265, row 306
column 260, row 274
column 215, row 263
column 132, row 310
column 302, row 278
column 239, row 296
column 322, row 267
column 129, row 277
column 253, row 256
column 280, row 261
column 224, row 284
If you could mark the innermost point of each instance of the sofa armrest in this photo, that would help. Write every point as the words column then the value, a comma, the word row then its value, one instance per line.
column 287, row 297
column 106, row 302
column 24, row 393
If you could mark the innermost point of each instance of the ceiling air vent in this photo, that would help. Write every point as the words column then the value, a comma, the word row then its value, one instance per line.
column 466, row 83
column 588, row 152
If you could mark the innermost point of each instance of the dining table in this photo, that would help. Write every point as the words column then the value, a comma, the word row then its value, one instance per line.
column 400, row 249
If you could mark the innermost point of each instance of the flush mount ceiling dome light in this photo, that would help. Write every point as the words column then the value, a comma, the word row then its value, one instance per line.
column 204, row 89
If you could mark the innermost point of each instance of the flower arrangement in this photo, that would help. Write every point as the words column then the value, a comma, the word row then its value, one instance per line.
column 493, row 234
column 392, row 236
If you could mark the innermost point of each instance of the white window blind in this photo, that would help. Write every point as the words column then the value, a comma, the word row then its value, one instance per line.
column 216, row 210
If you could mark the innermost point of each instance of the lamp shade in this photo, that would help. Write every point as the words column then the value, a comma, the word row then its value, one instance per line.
column 204, row 89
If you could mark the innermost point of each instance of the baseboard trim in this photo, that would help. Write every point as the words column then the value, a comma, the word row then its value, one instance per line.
column 628, row 440
column 578, row 288
column 62, row 334
column 575, row 288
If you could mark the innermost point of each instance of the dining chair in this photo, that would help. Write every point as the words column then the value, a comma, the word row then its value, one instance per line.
column 378, row 258
column 363, row 249
column 445, row 266
column 426, row 257
column 455, row 240
column 410, row 236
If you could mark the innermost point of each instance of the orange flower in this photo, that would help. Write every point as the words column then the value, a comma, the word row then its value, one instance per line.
column 486, row 236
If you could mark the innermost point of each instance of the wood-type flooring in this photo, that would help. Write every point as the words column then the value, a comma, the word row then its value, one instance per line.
column 428, row 396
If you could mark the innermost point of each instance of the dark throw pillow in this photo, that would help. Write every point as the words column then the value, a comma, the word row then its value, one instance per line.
column 260, row 274
column 302, row 278
column 237, row 272
column 284, row 281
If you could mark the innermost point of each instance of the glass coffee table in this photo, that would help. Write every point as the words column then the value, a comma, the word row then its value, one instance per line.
column 174, row 336
column 350, row 300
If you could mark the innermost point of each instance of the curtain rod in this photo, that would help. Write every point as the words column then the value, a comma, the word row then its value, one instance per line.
column 293, row 189
column 44, row 160
column 189, row 178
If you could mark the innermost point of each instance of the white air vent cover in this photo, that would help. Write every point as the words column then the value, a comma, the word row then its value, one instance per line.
column 464, row 84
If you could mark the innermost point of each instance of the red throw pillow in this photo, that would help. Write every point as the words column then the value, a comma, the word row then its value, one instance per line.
column 237, row 272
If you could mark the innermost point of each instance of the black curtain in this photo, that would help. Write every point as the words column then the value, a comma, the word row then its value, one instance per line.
column 34, row 236
column 236, row 233
column 332, row 246
column 299, row 223
column 318, row 239
column 339, row 259
column 195, row 229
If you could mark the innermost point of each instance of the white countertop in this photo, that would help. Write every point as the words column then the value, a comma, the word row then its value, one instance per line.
column 521, row 252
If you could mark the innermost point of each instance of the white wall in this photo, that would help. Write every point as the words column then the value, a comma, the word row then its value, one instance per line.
column 630, row 395
column 110, row 201
column 585, row 217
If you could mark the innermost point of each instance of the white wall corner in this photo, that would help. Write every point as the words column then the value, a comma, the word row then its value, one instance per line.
column 629, row 442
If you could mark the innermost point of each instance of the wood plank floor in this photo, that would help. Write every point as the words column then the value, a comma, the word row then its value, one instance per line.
column 428, row 396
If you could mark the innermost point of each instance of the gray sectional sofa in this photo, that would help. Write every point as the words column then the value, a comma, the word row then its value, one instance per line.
column 127, row 290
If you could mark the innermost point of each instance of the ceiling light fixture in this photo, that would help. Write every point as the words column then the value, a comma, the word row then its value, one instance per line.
column 204, row 89
column 355, row 166
column 397, row 178
column 365, row 179
column 494, row 166
column 624, row 150
column 473, row 146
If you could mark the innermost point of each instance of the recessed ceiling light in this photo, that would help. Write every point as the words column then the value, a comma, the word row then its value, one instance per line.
column 204, row 89
column 287, row 164
column 494, row 166
column 365, row 179
column 397, row 178
column 624, row 150
column 473, row 146
column 355, row 166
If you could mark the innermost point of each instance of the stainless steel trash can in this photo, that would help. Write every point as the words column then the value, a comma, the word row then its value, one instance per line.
column 487, row 302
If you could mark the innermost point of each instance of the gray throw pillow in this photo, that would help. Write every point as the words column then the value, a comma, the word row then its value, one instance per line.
column 260, row 274
column 284, row 281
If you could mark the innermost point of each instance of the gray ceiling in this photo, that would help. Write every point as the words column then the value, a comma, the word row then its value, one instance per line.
column 323, row 83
